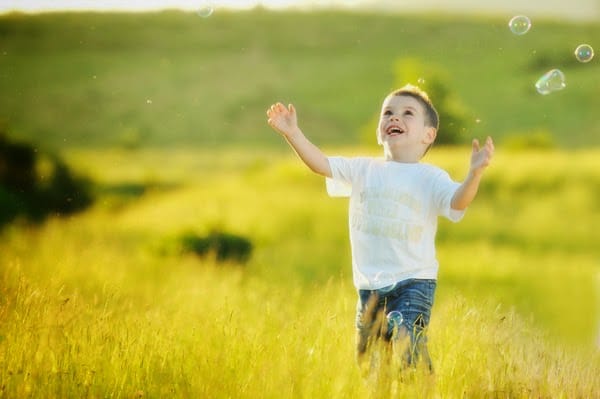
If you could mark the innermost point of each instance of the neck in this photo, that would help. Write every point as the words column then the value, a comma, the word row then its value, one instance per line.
column 401, row 156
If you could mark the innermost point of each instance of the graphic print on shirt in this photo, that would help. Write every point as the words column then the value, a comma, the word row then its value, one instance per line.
column 388, row 212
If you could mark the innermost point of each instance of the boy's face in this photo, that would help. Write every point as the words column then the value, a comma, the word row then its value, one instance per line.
column 402, row 124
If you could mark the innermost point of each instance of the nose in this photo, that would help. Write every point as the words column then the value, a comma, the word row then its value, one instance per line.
column 394, row 117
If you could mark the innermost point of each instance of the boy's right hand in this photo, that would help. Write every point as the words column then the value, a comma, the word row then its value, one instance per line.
column 283, row 119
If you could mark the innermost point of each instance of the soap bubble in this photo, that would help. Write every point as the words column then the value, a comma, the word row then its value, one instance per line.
column 386, row 289
column 394, row 319
column 383, row 278
column 205, row 10
column 584, row 53
column 519, row 25
column 553, row 80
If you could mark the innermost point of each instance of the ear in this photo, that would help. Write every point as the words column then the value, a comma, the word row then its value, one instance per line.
column 430, row 135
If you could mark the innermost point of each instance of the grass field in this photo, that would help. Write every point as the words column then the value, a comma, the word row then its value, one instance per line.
column 102, row 305
column 165, row 113
column 176, row 79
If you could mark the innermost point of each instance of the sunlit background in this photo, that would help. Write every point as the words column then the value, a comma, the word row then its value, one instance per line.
column 577, row 10
column 158, row 239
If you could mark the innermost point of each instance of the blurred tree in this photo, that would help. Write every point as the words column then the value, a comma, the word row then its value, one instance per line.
column 17, row 165
column 454, row 115
column 24, row 193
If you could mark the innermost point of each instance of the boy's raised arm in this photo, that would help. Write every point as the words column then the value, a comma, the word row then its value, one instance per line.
column 285, row 122
column 480, row 159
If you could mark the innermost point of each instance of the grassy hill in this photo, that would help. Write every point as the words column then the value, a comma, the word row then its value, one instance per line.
column 166, row 114
column 102, row 305
column 179, row 80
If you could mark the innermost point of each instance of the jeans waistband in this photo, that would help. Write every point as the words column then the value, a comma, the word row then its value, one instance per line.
column 392, row 290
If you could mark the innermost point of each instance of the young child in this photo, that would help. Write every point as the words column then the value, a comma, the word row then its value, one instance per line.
column 394, row 205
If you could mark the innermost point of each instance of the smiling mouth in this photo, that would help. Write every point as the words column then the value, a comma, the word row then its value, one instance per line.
column 394, row 130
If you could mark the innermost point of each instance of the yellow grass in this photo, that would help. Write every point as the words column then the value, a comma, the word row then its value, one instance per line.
column 102, row 305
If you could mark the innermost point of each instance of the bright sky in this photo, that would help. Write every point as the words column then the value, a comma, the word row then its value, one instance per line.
column 139, row 5
column 588, row 10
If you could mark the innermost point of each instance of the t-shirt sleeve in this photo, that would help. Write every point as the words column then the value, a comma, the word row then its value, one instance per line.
column 445, row 188
column 343, row 174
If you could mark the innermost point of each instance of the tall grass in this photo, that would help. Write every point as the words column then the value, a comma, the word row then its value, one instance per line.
column 100, row 305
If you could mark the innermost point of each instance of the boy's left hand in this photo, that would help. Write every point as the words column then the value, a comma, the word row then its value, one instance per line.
column 481, row 156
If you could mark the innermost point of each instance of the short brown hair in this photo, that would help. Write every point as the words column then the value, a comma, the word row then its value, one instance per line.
column 432, row 118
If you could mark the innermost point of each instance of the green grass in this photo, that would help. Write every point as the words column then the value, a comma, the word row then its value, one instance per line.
column 101, row 305
column 175, row 79
column 166, row 114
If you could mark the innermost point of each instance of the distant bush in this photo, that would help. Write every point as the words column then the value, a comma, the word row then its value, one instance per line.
column 34, row 186
column 223, row 246
column 534, row 140
column 130, row 138
column 454, row 115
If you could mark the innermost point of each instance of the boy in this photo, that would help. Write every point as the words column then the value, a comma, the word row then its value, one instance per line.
column 394, row 205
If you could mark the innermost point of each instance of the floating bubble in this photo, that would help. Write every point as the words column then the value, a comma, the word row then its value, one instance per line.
column 519, row 25
column 394, row 319
column 387, row 289
column 421, row 81
column 205, row 10
column 584, row 53
column 383, row 278
column 551, row 81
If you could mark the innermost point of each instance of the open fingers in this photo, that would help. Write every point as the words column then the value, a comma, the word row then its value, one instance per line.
column 489, row 146
column 276, row 108
column 272, row 111
column 489, row 143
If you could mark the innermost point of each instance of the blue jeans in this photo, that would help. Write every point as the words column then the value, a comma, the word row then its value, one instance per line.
column 413, row 299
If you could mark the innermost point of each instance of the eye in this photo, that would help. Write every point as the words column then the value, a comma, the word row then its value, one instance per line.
column 408, row 112
column 388, row 112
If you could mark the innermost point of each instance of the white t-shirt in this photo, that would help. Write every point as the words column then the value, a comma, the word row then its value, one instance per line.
column 392, row 217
